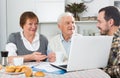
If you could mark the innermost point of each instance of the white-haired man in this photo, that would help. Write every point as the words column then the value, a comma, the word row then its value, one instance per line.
column 61, row 42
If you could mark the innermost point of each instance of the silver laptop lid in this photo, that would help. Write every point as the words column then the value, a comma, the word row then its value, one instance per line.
column 89, row 52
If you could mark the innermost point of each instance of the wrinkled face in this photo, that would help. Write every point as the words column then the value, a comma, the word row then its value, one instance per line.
column 30, row 27
column 67, row 25
column 102, row 24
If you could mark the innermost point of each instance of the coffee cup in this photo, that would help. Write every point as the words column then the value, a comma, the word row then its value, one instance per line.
column 59, row 56
column 17, row 61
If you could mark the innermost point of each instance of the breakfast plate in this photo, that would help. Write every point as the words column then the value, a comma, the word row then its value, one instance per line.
column 14, row 73
column 10, row 73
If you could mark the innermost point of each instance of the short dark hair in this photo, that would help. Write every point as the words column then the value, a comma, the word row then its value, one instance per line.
column 27, row 15
column 111, row 12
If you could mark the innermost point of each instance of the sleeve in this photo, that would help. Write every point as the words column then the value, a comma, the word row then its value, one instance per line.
column 113, row 71
column 11, row 46
column 11, row 38
column 48, row 49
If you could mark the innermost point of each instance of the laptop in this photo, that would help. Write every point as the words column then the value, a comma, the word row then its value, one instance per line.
column 87, row 52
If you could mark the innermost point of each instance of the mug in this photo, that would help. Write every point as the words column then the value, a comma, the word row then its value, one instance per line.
column 59, row 56
column 17, row 61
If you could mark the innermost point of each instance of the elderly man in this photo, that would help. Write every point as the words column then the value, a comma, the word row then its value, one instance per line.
column 61, row 42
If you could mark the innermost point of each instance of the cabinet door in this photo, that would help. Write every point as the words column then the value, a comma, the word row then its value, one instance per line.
column 49, row 10
column 14, row 9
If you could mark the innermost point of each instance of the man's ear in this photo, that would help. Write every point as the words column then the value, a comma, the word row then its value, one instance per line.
column 59, row 26
column 111, row 22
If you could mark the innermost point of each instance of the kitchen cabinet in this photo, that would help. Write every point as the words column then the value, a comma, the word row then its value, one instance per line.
column 49, row 10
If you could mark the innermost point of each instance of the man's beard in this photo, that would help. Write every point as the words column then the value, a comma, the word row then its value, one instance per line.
column 105, row 32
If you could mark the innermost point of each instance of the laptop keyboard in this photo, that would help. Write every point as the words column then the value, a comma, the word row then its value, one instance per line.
column 64, row 66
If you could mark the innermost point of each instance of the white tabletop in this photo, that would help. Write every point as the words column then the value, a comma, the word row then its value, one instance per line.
column 93, row 73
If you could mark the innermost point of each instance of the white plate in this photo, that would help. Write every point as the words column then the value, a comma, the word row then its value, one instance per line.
column 11, row 73
column 14, row 73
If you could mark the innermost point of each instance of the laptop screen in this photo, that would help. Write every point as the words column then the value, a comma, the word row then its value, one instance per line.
column 89, row 52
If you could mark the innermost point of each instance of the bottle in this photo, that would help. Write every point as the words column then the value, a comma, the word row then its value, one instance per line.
column 4, row 55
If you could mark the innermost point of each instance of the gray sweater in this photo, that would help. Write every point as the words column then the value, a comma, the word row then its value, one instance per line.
column 21, row 49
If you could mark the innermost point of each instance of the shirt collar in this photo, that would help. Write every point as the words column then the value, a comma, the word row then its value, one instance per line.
column 35, row 39
column 62, row 39
column 117, row 33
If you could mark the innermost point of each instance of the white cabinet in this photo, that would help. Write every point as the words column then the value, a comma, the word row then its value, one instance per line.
column 49, row 10
column 46, row 10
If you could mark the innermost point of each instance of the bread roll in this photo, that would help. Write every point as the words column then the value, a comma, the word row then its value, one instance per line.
column 25, row 69
column 39, row 74
column 10, row 69
column 28, row 71
column 18, row 69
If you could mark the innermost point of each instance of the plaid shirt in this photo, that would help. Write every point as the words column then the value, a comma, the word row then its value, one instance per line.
column 113, row 68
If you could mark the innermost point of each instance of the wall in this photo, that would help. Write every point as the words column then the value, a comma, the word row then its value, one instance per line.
column 42, row 8
column 14, row 9
column 48, row 10
column 2, row 25
column 84, row 28
column 48, row 29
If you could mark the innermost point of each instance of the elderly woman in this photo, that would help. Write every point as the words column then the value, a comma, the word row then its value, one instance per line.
column 28, row 43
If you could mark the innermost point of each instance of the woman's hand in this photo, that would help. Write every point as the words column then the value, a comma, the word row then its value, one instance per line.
column 51, row 57
column 38, row 56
